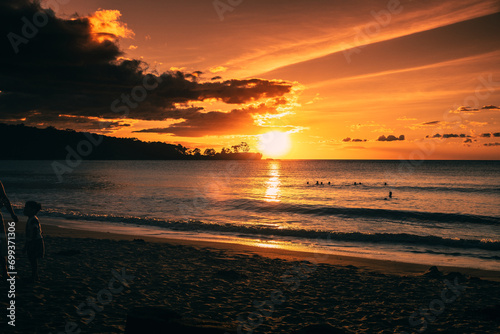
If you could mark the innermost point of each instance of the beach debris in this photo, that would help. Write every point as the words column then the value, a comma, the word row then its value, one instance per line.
column 160, row 319
column 433, row 272
column 321, row 329
column 69, row 252
column 230, row 275
column 454, row 274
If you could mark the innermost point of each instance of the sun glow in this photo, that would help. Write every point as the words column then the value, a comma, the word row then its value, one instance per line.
column 275, row 144
column 105, row 26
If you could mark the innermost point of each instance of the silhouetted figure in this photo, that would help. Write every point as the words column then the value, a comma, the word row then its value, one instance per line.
column 355, row 183
column 360, row 183
column 321, row 183
column 4, row 201
column 317, row 183
column 390, row 194
column 385, row 183
column 34, row 245
column 328, row 182
column 307, row 182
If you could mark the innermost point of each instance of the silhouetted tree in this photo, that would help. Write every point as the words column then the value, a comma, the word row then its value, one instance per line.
column 32, row 143
column 209, row 152
column 181, row 148
column 244, row 147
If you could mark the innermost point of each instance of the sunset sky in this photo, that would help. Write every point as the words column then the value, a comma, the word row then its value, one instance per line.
column 343, row 79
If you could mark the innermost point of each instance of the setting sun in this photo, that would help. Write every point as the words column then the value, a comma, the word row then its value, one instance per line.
column 275, row 143
column 228, row 152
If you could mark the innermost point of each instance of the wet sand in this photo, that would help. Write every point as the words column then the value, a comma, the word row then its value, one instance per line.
column 258, row 289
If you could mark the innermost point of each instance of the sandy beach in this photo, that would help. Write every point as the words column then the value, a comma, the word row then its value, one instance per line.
column 249, row 167
column 254, row 289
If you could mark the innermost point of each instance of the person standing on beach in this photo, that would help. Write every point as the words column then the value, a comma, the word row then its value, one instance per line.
column 34, row 245
column 4, row 201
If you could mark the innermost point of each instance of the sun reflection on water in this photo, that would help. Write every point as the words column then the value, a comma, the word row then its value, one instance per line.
column 273, row 183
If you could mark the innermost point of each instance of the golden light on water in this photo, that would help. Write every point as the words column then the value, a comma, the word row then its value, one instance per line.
column 275, row 144
column 273, row 183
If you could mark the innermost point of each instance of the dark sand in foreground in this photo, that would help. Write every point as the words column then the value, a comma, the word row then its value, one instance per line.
column 226, row 283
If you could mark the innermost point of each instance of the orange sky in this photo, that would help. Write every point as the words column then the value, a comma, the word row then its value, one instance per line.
column 360, row 70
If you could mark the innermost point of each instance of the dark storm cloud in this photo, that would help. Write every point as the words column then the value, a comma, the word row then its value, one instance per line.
column 62, row 69
column 391, row 138
column 197, row 123
column 70, row 122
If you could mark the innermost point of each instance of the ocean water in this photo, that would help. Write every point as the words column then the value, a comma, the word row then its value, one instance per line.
column 441, row 212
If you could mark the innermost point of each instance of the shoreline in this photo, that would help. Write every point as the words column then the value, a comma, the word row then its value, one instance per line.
column 205, row 282
column 376, row 265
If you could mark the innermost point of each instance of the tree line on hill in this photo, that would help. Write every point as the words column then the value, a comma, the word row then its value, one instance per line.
column 20, row 142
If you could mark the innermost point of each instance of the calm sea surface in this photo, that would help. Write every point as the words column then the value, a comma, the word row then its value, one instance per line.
column 441, row 212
